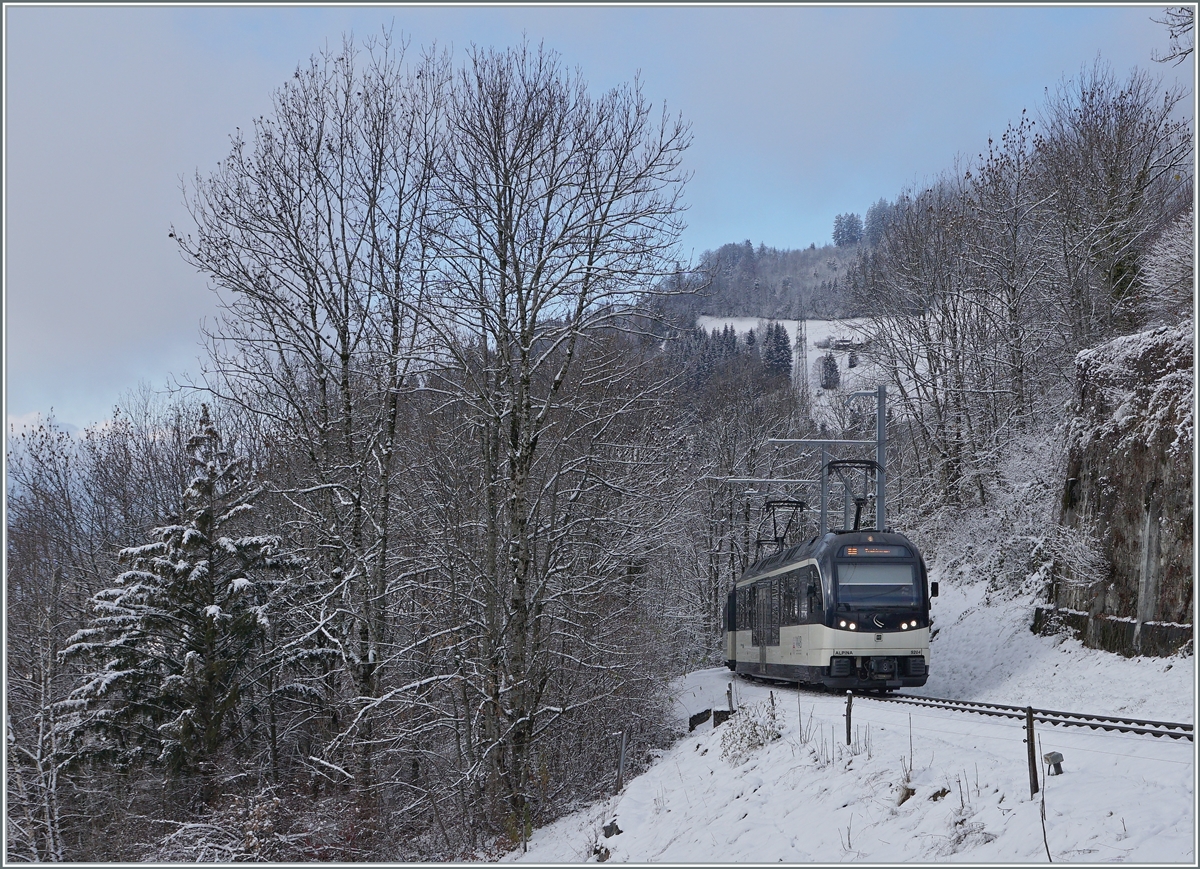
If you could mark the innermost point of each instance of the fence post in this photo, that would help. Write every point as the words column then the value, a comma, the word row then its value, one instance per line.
column 729, row 696
column 1033, row 770
column 621, row 762
column 849, row 701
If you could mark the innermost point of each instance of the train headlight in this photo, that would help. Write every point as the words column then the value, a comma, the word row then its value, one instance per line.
column 904, row 626
column 853, row 626
column 842, row 623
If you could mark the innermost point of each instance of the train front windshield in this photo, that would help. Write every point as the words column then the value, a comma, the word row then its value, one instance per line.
column 867, row 581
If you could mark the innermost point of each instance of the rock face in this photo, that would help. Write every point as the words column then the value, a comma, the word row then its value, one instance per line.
column 1129, row 483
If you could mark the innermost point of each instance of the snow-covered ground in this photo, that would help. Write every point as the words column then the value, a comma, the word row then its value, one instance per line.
column 916, row 785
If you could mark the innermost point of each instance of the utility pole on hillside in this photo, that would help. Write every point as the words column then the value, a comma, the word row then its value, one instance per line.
column 800, row 368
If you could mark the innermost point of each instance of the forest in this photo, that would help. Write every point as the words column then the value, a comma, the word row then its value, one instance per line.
column 449, row 507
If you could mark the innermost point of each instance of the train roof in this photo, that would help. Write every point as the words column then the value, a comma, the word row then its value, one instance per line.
column 810, row 548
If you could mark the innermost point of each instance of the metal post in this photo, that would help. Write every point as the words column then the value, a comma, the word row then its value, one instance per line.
column 847, row 507
column 1033, row 770
column 824, row 490
column 621, row 763
column 880, row 456
column 849, row 702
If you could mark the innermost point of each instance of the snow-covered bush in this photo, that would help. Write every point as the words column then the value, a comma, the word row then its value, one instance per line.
column 1167, row 274
column 751, row 728
column 256, row 828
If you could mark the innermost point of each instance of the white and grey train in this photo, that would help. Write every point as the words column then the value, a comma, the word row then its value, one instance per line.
column 847, row 609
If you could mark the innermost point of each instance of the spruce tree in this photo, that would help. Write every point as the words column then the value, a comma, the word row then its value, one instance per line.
column 172, row 643
column 847, row 229
column 777, row 350
column 876, row 222
column 831, row 378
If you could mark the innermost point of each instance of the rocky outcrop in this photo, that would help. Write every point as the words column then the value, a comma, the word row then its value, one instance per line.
column 1129, row 481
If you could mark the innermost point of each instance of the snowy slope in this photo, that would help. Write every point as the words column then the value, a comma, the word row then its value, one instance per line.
column 807, row 797
column 827, row 404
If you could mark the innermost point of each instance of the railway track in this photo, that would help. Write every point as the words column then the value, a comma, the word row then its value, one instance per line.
column 1047, row 716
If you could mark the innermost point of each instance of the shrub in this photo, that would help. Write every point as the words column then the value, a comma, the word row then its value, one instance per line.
column 752, row 727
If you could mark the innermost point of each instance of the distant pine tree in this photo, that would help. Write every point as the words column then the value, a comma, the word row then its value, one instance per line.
column 729, row 342
column 777, row 350
column 875, row 223
column 830, row 377
column 847, row 229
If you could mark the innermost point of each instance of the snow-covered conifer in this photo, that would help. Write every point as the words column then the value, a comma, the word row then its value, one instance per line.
column 830, row 377
column 777, row 350
column 172, row 642
column 847, row 229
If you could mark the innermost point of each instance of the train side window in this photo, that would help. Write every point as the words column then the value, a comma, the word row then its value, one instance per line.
column 815, row 605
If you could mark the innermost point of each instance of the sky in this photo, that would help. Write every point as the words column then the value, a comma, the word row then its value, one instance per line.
column 798, row 113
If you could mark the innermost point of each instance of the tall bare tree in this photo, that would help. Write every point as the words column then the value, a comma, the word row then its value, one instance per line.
column 318, row 231
column 559, row 207
column 1116, row 157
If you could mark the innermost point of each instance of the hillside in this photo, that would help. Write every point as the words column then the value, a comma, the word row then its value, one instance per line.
column 828, row 405
column 740, row 280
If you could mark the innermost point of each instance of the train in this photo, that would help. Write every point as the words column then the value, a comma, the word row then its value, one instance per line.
column 844, row 610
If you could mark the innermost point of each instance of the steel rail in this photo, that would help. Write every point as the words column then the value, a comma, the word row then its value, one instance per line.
column 1174, row 730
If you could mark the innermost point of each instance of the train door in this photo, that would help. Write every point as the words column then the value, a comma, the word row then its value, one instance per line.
column 774, row 594
column 766, row 619
column 729, row 620
column 752, row 612
column 762, row 614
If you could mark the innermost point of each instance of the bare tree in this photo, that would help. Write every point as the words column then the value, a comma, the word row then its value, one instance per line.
column 927, row 331
column 559, row 207
column 1115, row 157
column 318, row 229
column 1006, row 247
column 1180, row 22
